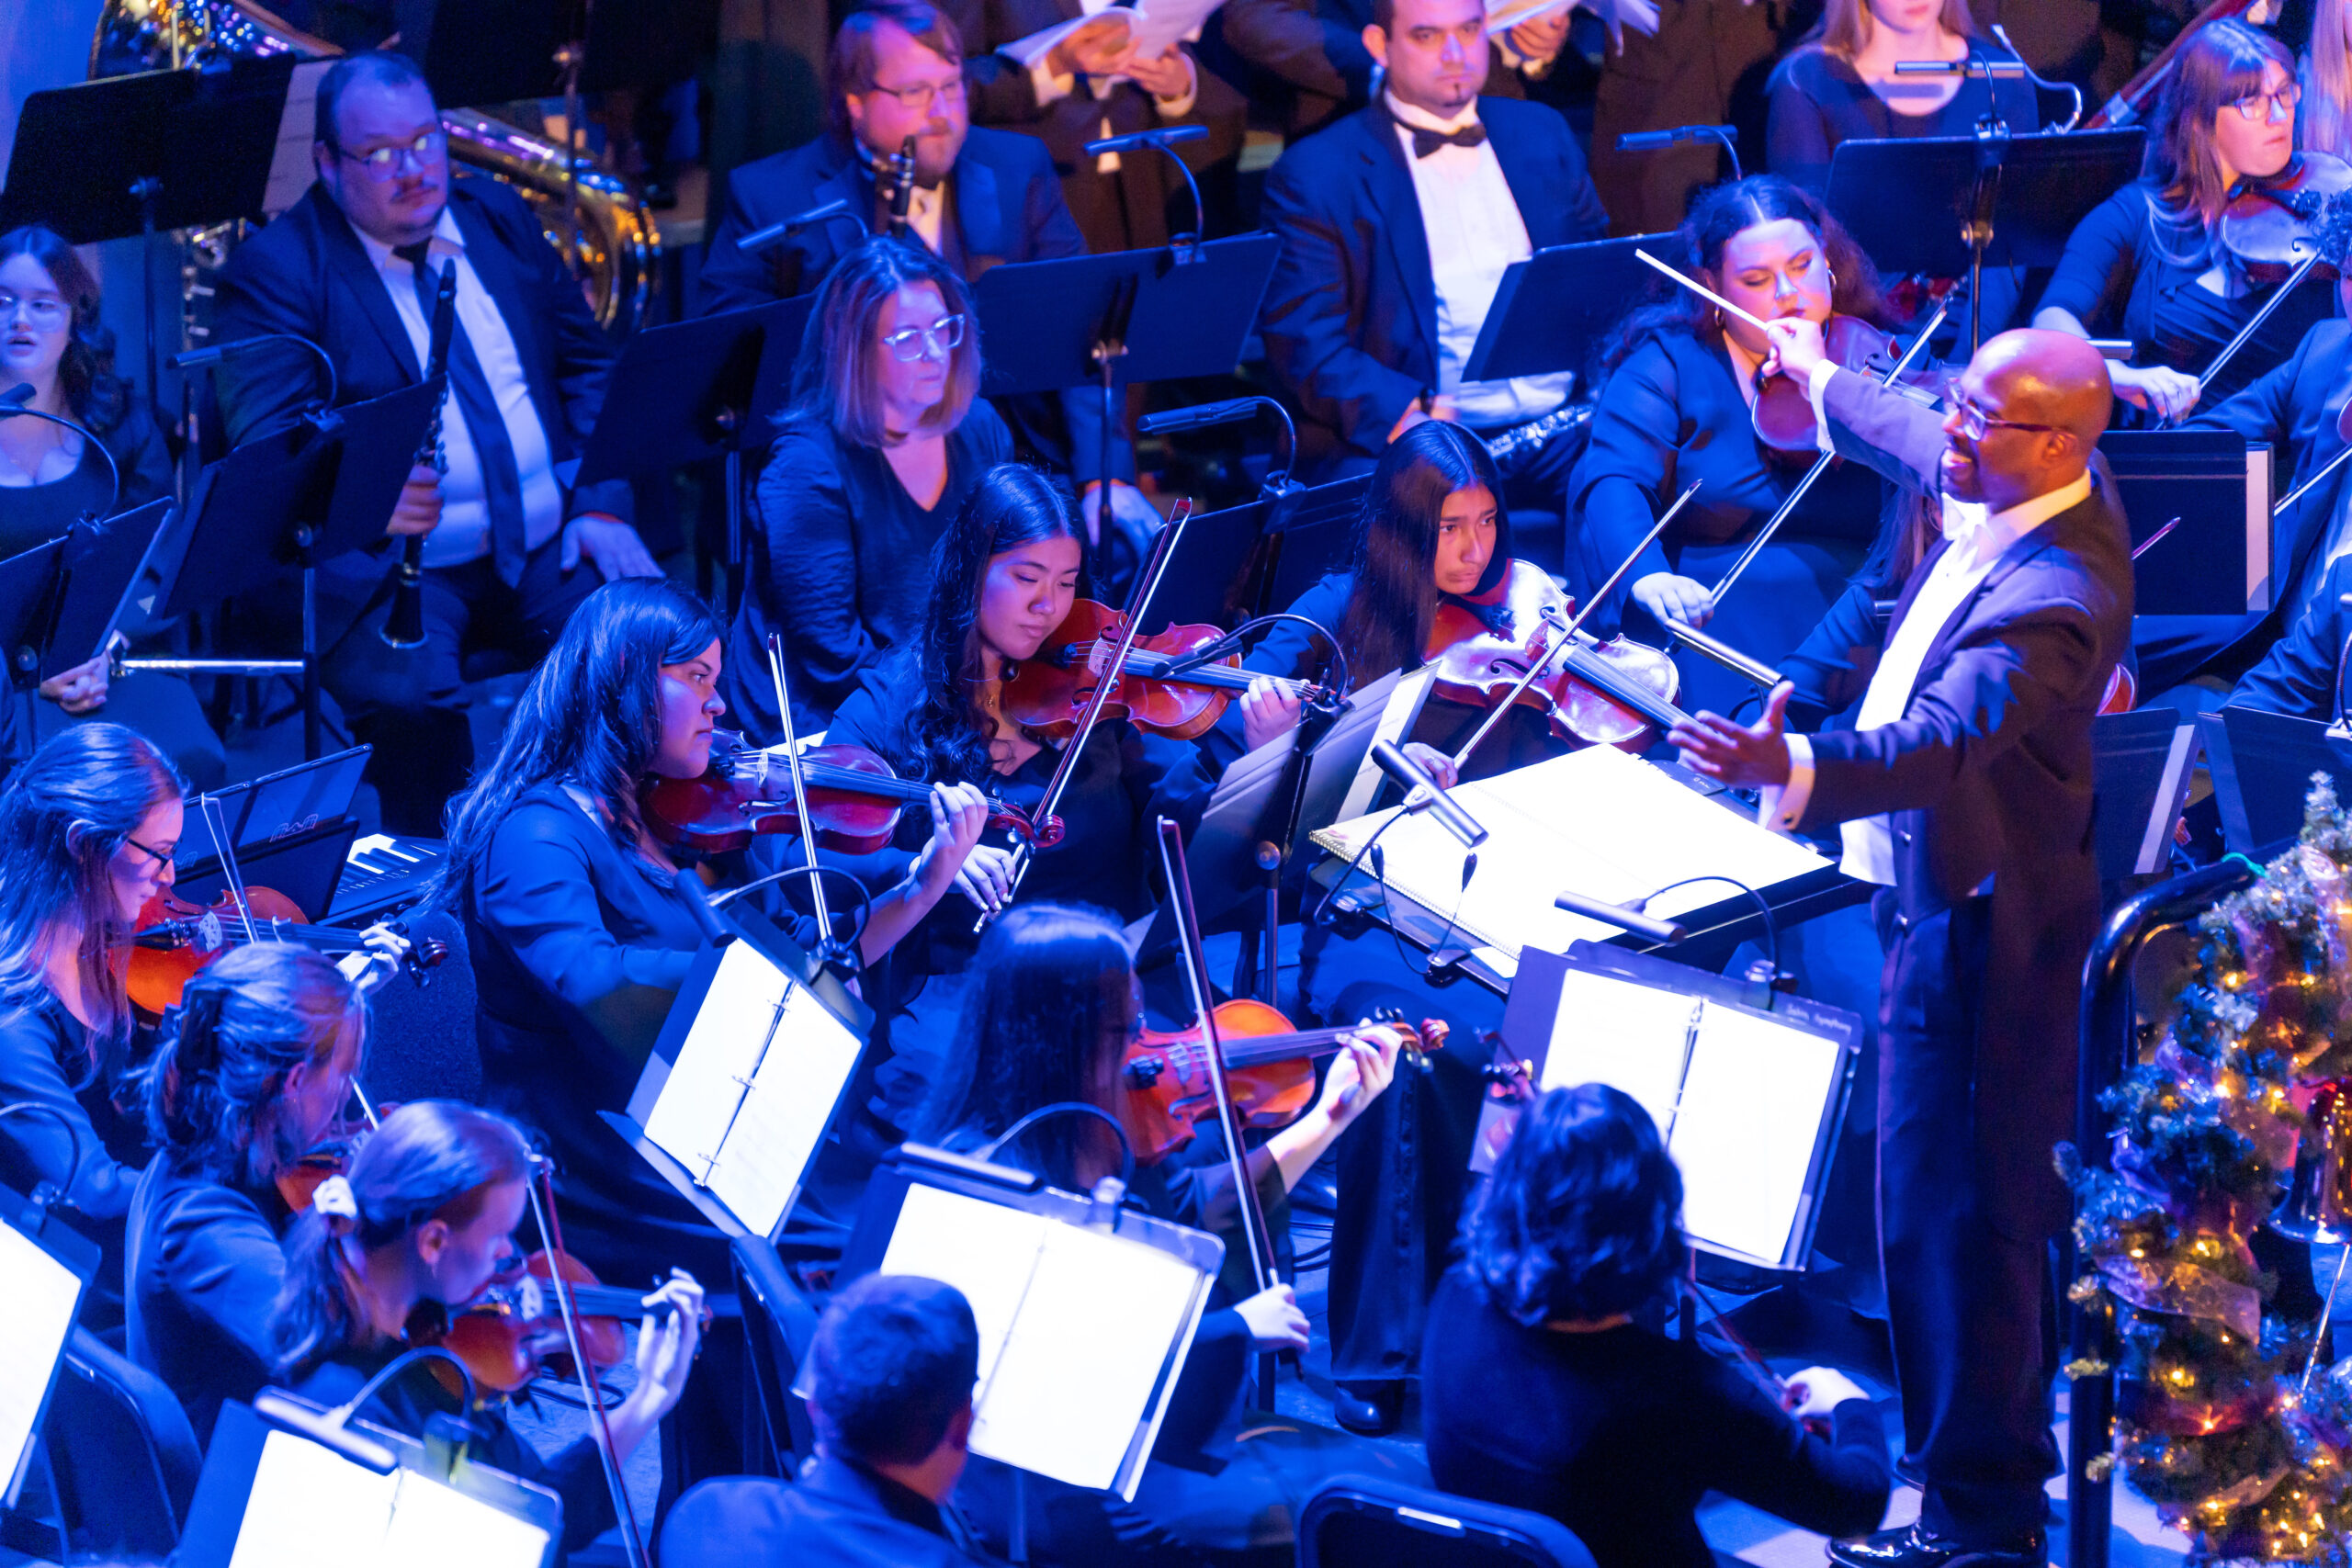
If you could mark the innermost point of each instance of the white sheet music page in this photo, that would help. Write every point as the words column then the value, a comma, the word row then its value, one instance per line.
column 40, row 1299
column 434, row 1526
column 1752, row 1102
column 310, row 1505
column 706, row 1084
column 985, row 1250
column 1630, row 1037
column 783, row 1120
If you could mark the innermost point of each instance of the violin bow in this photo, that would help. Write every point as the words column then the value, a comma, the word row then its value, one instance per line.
column 2321, row 251
column 1163, row 550
column 825, row 943
column 209, row 806
column 1820, row 465
column 1568, row 633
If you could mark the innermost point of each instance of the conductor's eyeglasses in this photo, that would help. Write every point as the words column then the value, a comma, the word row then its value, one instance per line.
column 911, row 343
column 44, row 310
column 381, row 162
column 1975, row 423
column 2275, row 106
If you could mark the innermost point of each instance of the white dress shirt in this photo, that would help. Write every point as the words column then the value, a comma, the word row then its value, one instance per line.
column 464, row 533
column 1474, row 232
column 923, row 212
column 1978, row 540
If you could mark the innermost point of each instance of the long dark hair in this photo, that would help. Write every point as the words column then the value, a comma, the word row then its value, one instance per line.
column 1582, row 1217
column 1012, row 505
column 1386, row 624
column 242, row 1023
column 430, row 1160
column 1053, row 995
column 94, row 393
column 835, row 380
column 63, row 815
column 1719, row 214
column 590, row 715
column 2218, row 65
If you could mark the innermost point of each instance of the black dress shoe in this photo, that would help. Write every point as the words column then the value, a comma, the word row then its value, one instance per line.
column 1368, row 1409
column 1913, row 1547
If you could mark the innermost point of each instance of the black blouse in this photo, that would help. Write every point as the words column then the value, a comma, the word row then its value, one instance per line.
column 1820, row 102
column 44, row 1060
column 34, row 515
column 202, row 1271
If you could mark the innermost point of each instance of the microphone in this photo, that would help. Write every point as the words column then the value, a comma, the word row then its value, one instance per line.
column 1664, row 932
column 1414, row 778
column 197, row 358
column 775, row 234
column 1232, row 410
column 2007, row 69
column 1137, row 140
column 1646, row 140
column 690, row 888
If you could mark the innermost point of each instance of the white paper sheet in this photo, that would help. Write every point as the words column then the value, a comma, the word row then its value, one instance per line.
column 36, row 1316
column 766, row 1153
column 435, row 1526
column 1505, row 15
column 705, row 1087
column 1154, row 25
column 1751, row 1109
column 985, row 1250
column 1630, row 1037
column 310, row 1505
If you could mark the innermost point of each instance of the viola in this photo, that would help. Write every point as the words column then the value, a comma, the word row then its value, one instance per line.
column 2272, row 225
column 175, row 940
column 511, row 1330
column 1610, row 693
column 1269, row 1069
column 1782, row 413
column 1049, row 691
column 853, row 799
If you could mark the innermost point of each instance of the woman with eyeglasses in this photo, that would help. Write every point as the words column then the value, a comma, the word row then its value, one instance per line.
column 87, row 830
column 2148, row 264
column 883, row 439
column 52, row 341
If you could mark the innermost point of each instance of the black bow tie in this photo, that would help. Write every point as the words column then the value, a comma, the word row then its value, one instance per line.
column 1428, row 141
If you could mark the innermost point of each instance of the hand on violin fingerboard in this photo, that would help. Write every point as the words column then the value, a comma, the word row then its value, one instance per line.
column 1269, row 711
column 1797, row 348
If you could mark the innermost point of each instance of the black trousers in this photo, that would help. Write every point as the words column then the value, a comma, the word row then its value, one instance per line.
column 1970, row 1303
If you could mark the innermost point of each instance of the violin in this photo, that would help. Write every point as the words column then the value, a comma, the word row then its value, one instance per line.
column 506, row 1333
column 1611, row 694
column 853, row 799
column 2271, row 225
column 1782, row 413
column 1048, row 692
column 174, row 940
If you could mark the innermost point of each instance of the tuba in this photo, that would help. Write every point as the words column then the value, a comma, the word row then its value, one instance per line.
column 612, row 245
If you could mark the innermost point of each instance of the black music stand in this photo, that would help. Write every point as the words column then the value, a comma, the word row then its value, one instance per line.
column 2140, row 763
column 1942, row 206
column 1552, row 307
column 2217, row 562
column 102, row 569
column 1149, row 315
column 27, row 616
column 2262, row 764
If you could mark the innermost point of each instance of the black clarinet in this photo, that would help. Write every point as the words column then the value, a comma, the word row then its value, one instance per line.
column 404, row 625
column 902, row 188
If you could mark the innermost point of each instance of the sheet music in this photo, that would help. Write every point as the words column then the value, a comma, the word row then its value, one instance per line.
column 783, row 1118
column 40, row 1299
column 1751, row 1109
column 706, row 1085
column 433, row 1526
column 1634, row 1038
column 985, row 1250
column 1154, row 26
column 310, row 1505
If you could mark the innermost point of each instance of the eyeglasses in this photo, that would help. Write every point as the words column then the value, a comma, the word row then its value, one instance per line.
column 1975, row 423
column 160, row 857
column 381, row 162
column 917, row 98
column 2273, row 106
column 42, row 310
column 911, row 343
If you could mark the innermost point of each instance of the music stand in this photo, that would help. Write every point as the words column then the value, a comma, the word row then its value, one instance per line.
column 2216, row 484
column 1147, row 315
column 2262, row 764
column 1938, row 205
column 46, row 1266
column 104, row 568
column 1550, row 309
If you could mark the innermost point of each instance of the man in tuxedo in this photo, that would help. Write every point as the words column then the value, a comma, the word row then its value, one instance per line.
column 2300, row 675
column 1396, row 225
column 1965, row 794
column 982, row 198
column 511, row 544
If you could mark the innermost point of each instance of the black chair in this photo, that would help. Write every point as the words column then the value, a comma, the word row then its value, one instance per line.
column 121, row 1454
column 779, row 1324
column 1357, row 1522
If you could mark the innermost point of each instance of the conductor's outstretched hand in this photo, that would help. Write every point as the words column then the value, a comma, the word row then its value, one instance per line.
column 1742, row 756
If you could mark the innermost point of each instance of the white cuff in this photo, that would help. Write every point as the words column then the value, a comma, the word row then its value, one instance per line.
column 1048, row 87
column 1782, row 808
column 1817, row 387
column 1179, row 107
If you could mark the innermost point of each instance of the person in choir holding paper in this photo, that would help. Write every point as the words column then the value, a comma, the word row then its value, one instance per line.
column 254, row 1068
column 1965, row 792
column 1047, row 1024
column 1003, row 576
column 52, row 340
column 885, row 437
column 424, row 1221
column 1540, row 1391
column 1397, row 224
column 1677, row 408
column 2148, row 263
column 87, row 830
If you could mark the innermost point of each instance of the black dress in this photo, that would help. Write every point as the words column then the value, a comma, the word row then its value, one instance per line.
column 202, row 1271
column 1820, row 102
column 1617, row 1434
column 44, row 1061
column 2128, row 271
column 839, row 559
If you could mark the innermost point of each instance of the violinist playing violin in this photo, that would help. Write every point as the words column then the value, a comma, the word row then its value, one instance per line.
column 2154, row 262
column 1680, row 405
column 425, row 1219
column 254, row 1069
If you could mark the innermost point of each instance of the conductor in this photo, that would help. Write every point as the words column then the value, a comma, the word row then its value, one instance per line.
column 1964, row 789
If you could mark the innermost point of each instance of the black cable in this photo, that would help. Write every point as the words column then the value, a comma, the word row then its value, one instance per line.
column 1063, row 1108
column 1469, row 869
column 1772, row 925
column 1210, row 652
column 72, row 1135
column 864, row 904
column 402, row 1363
column 1329, row 892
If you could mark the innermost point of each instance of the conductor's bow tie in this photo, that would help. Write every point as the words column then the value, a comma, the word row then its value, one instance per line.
column 1428, row 141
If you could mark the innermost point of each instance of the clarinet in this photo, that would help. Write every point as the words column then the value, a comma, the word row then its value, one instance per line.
column 902, row 188
column 404, row 625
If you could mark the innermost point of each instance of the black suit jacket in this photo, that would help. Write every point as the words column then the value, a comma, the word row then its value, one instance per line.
column 307, row 273
column 1988, row 774
column 1351, row 314
column 1314, row 48
column 2298, row 675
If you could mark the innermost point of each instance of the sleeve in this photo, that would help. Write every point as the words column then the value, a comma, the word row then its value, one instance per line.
column 1798, row 139
column 733, row 279
column 1630, row 464
column 1286, row 37
column 1750, row 1448
column 224, row 1265
column 257, row 293
column 808, row 577
column 866, row 718
column 1164, row 778
column 1305, row 318
column 2096, row 273
column 1832, row 667
column 2264, row 409
column 1289, row 649
column 35, row 1146
column 138, row 449
column 1885, row 431
column 2298, row 675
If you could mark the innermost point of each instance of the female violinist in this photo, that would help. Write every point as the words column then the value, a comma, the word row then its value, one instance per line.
column 425, row 1219
column 253, row 1070
column 87, row 830
column 2149, row 262
column 1004, row 577
column 1048, row 1023
column 1678, row 407
column 883, row 439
